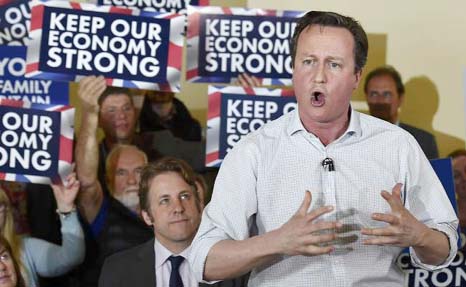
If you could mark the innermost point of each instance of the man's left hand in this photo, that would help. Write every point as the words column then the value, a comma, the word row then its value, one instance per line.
column 404, row 229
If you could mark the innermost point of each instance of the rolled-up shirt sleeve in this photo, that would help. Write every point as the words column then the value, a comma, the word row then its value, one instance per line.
column 427, row 200
column 230, row 213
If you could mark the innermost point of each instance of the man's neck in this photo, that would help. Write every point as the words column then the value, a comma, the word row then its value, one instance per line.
column 328, row 132
column 174, row 247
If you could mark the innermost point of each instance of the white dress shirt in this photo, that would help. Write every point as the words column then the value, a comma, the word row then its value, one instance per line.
column 163, row 267
column 262, row 181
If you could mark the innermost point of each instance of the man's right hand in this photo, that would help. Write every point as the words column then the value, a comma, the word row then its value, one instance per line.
column 302, row 235
column 89, row 91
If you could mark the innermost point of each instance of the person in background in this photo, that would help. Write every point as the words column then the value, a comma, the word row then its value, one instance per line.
column 385, row 93
column 40, row 257
column 10, row 273
column 163, row 111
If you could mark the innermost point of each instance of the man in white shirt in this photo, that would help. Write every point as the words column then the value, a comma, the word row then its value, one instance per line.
column 349, row 229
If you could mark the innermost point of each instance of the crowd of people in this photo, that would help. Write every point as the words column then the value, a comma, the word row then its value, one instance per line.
column 131, row 216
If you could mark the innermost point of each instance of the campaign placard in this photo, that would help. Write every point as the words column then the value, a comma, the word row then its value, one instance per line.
column 36, row 142
column 15, row 16
column 170, row 6
column 453, row 275
column 14, row 86
column 226, row 42
column 129, row 47
column 234, row 112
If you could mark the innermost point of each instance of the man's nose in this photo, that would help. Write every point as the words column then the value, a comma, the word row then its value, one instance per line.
column 320, row 74
column 178, row 206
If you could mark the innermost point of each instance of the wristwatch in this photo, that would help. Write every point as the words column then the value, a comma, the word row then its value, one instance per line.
column 65, row 215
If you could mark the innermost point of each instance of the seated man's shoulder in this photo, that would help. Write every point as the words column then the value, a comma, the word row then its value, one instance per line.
column 130, row 254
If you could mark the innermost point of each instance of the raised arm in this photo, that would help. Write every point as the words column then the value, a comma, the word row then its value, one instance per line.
column 87, row 153
column 50, row 259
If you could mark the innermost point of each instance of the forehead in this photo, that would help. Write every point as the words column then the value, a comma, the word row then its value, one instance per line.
column 116, row 100
column 129, row 158
column 459, row 161
column 382, row 81
column 168, row 184
column 326, row 40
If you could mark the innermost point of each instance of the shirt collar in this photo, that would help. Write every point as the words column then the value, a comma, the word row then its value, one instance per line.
column 162, row 253
column 354, row 126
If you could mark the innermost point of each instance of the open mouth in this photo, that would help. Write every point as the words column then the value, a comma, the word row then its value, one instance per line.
column 317, row 99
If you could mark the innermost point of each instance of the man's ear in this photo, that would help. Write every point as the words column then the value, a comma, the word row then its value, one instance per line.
column 358, row 76
column 147, row 218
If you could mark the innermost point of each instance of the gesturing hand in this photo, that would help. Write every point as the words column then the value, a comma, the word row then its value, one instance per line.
column 301, row 235
column 66, row 193
column 404, row 229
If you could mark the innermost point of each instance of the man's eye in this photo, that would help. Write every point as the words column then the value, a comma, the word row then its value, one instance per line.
column 185, row 196
column 335, row 65
column 387, row 94
column 308, row 61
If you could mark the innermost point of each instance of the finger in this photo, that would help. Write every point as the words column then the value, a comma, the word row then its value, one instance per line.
column 249, row 80
column 382, row 240
column 256, row 82
column 313, row 250
column 388, row 218
column 325, row 225
column 305, row 204
column 242, row 81
column 396, row 191
column 395, row 204
column 386, row 231
column 316, row 239
column 316, row 213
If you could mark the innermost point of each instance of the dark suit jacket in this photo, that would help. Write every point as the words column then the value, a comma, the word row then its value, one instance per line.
column 135, row 267
column 425, row 139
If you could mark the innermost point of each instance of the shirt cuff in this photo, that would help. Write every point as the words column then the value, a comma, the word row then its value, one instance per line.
column 450, row 231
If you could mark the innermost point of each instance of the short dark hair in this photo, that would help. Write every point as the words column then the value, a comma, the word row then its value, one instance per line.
column 331, row 19
column 457, row 153
column 164, row 165
column 115, row 91
column 386, row 71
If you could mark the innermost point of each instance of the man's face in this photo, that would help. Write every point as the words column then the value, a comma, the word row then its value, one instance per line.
column 162, row 102
column 459, row 169
column 7, row 269
column 383, row 98
column 125, row 182
column 174, row 212
column 118, row 117
column 324, row 74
